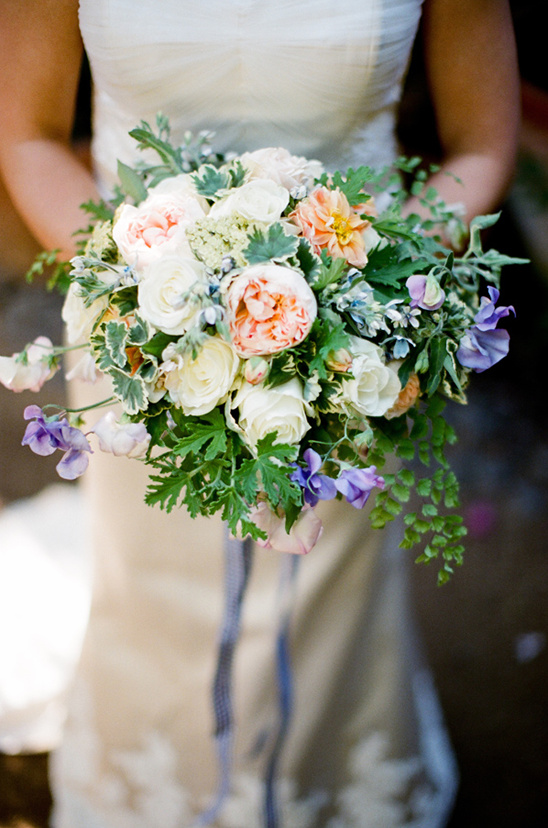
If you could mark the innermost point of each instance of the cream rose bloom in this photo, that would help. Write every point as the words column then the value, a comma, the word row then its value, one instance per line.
column 156, row 228
column 265, row 410
column 260, row 200
column 182, row 185
column 163, row 293
column 278, row 165
column 198, row 385
column 374, row 387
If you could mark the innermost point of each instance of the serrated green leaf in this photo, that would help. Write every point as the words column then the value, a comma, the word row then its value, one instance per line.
column 125, row 300
column 148, row 140
column 392, row 506
column 352, row 183
column 115, row 342
column 406, row 450
column 208, row 430
column 270, row 245
column 407, row 477
column 308, row 261
column 401, row 492
column 130, row 390
column 138, row 332
column 211, row 181
column 424, row 487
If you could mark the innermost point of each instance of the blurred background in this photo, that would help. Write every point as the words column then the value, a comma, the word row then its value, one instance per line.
column 486, row 632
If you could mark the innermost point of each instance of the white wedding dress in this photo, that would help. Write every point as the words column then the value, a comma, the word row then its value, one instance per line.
column 366, row 748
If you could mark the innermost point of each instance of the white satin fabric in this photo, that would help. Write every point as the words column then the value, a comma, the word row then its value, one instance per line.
column 322, row 78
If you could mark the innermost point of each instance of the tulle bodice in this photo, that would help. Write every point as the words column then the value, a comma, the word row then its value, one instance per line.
column 320, row 77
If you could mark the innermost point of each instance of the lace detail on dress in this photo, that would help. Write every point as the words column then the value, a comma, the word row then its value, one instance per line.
column 141, row 788
column 383, row 792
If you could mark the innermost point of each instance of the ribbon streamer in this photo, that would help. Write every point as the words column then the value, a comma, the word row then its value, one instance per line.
column 285, row 685
column 238, row 561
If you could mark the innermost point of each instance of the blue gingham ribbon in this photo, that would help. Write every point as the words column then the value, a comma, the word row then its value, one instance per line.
column 289, row 567
column 238, row 560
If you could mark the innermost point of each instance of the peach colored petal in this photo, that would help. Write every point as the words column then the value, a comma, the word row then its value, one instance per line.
column 303, row 536
column 271, row 308
column 406, row 398
column 328, row 221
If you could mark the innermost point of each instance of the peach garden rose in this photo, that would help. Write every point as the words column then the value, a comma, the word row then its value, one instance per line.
column 270, row 307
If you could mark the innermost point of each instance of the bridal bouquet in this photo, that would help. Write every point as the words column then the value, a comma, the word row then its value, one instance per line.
column 271, row 335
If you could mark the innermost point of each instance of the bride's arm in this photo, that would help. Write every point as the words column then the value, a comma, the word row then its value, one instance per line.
column 40, row 59
column 471, row 65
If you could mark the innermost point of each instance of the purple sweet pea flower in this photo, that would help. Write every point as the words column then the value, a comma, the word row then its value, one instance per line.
column 480, row 350
column 488, row 316
column 73, row 463
column 482, row 345
column 41, row 436
column 316, row 486
column 44, row 437
column 356, row 485
column 425, row 292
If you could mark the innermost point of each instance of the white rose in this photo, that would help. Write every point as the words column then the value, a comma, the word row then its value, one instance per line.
column 156, row 227
column 198, row 385
column 121, row 439
column 78, row 318
column 277, row 164
column 258, row 200
column 163, row 293
column 265, row 410
column 31, row 374
column 182, row 185
column 374, row 386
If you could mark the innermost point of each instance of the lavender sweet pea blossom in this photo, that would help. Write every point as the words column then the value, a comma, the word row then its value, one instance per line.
column 482, row 345
column 488, row 316
column 480, row 350
column 425, row 292
column 44, row 437
column 356, row 485
column 41, row 436
column 316, row 486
